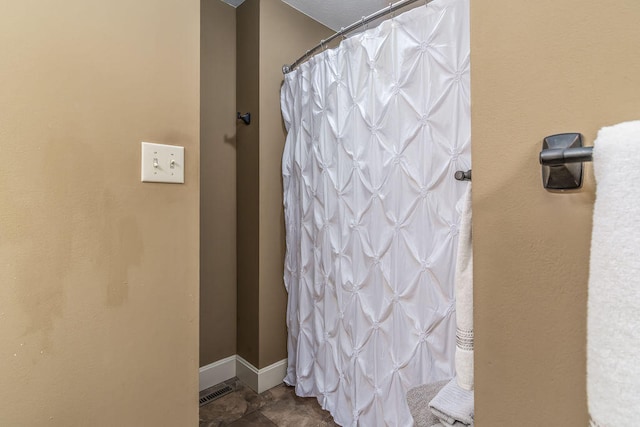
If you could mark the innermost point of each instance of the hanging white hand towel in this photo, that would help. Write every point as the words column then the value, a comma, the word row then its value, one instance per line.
column 613, row 342
column 464, row 297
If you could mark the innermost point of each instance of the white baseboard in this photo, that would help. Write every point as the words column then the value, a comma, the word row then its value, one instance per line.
column 217, row 372
column 272, row 375
column 261, row 379
column 236, row 366
column 247, row 373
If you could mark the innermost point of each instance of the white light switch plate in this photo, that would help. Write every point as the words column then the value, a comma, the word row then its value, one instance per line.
column 162, row 163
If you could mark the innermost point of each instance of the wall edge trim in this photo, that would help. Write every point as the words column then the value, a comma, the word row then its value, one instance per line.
column 258, row 380
column 217, row 372
column 272, row 375
column 261, row 379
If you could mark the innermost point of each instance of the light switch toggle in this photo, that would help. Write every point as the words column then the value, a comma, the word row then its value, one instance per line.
column 162, row 163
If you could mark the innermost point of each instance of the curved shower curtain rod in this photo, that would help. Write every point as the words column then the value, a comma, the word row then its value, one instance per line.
column 364, row 21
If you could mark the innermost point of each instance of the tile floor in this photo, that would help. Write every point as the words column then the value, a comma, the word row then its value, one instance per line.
column 276, row 407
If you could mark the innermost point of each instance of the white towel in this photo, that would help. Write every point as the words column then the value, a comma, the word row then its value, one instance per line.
column 418, row 399
column 613, row 324
column 464, row 296
column 453, row 405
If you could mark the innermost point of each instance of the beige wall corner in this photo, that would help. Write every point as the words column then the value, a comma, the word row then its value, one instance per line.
column 538, row 68
column 218, row 182
column 248, row 169
column 285, row 34
column 269, row 34
column 99, row 313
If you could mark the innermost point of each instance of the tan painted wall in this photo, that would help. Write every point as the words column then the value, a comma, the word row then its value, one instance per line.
column 285, row 34
column 99, row 272
column 539, row 68
column 269, row 34
column 248, row 144
column 217, row 181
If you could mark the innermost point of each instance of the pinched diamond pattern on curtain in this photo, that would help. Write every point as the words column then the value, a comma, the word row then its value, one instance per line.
column 376, row 129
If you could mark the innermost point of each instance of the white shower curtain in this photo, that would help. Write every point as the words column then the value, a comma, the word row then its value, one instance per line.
column 376, row 129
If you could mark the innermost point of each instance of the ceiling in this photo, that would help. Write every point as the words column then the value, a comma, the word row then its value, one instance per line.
column 334, row 14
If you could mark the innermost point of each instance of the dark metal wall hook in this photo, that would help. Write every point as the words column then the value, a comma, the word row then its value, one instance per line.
column 246, row 118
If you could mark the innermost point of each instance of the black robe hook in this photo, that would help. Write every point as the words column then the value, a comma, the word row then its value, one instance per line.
column 246, row 118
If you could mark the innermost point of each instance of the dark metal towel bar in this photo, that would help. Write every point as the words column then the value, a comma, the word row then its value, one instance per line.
column 560, row 156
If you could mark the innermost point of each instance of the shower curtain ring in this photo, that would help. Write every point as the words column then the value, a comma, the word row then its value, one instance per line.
column 364, row 24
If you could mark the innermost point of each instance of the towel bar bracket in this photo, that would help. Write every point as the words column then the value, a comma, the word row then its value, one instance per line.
column 561, row 158
column 463, row 175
